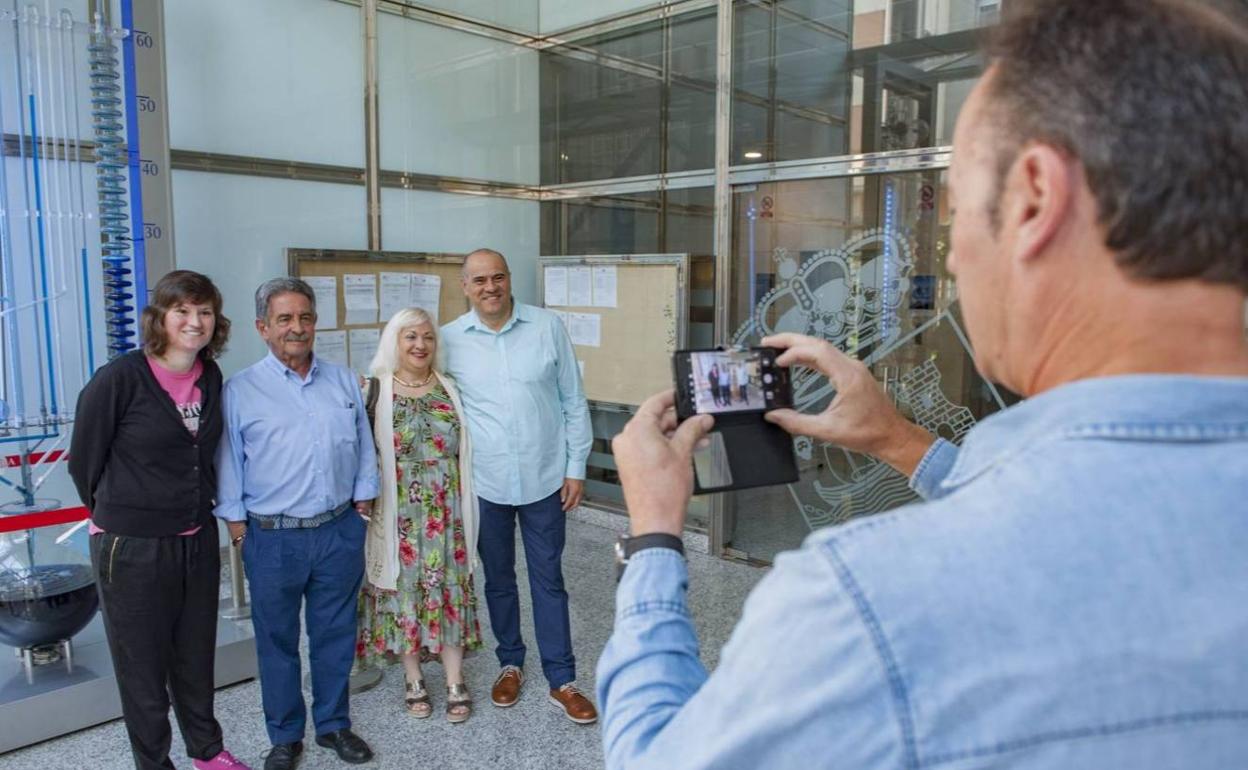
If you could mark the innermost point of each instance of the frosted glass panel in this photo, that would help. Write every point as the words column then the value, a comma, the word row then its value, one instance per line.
column 560, row 14
column 235, row 228
column 427, row 221
column 276, row 79
column 456, row 104
column 520, row 15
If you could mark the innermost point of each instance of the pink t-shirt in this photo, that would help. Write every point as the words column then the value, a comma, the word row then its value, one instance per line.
column 186, row 399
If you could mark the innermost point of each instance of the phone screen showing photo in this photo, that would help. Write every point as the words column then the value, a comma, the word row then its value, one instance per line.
column 727, row 381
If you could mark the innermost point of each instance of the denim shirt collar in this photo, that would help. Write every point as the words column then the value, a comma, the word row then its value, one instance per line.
column 1148, row 407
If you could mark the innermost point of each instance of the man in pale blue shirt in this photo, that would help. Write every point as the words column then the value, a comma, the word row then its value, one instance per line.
column 1072, row 593
column 295, row 466
column 531, row 435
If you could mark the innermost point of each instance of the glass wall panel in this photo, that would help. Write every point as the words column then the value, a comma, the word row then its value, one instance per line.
column 819, row 78
column 456, row 104
column 670, row 222
column 518, row 15
column 421, row 220
column 631, row 102
column 557, row 15
column 861, row 262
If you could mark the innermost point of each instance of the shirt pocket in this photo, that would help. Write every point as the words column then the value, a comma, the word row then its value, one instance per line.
column 341, row 424
column 536, row 367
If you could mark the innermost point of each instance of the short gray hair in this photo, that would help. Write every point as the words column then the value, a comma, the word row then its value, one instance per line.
column 284, row 285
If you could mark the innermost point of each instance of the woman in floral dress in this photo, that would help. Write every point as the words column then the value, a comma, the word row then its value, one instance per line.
column 419, row 594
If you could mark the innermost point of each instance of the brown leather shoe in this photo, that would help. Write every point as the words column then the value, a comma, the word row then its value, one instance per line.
column 507, row 686
column 574, row 704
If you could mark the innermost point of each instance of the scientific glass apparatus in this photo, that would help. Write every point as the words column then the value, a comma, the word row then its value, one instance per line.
column 61, row 242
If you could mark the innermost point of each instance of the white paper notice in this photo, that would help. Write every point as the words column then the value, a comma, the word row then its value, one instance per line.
column 563, row 318
column 585, row 329
column 581, row 365
column 359, row 296
column 604, row 286
column 555, row 293
column 332, row 346
column 426, row 293
column 395, row 293
column 580, row 287
column 363, row 348
column 325, row 287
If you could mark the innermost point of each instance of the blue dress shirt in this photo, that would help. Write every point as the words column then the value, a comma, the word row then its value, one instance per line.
column 526, row 409
column 1072, row 595
column 292, row 445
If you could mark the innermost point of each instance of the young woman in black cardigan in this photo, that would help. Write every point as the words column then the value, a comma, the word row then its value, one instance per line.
column 142, row 455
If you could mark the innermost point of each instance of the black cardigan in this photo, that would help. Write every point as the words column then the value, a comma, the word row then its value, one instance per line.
column 137, row 468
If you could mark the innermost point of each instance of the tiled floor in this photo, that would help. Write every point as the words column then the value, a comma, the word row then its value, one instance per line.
column 532, row 734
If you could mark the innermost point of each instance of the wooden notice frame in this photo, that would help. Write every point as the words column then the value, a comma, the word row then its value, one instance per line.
column 327, row 262
column 638, row 336
column 452, row 303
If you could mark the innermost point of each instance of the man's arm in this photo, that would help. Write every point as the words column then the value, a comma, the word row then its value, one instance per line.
column 577, row 429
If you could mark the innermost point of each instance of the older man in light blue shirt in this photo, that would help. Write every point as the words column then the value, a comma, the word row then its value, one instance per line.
column 1072, row 593
column 295, row 465
column 531, row 435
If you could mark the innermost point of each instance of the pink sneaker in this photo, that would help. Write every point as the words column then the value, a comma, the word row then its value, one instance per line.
column 223, row 761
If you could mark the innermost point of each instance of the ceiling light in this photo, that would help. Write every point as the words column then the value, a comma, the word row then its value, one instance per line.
column 753, row 155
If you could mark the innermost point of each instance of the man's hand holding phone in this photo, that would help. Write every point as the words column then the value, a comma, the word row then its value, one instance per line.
column 654, row 457
column 860, row 417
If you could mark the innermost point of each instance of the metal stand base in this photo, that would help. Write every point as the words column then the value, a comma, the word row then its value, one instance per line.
column 44, row 655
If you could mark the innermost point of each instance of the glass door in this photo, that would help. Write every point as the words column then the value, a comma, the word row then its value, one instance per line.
column 858, row 261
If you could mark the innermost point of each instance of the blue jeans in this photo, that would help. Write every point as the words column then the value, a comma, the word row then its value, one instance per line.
column 542, row 527
column 321, row 570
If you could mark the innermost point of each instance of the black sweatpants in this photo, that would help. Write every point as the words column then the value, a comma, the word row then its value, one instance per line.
column 158, row 596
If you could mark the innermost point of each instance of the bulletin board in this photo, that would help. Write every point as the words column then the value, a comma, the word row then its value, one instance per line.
column 336, row 330
column 628, row 324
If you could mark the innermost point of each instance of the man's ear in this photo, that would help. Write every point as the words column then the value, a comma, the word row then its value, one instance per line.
column 1040, row 191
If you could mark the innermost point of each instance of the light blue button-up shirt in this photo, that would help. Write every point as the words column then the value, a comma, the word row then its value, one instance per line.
column 1073, row 595
column 293, row 445
column 526, row 409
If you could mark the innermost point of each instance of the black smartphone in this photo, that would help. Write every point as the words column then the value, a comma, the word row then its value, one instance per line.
column 727, row 381
column 737, row 386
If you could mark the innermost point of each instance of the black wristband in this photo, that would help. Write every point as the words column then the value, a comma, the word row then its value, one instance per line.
column 653, row 540
column 626, row 546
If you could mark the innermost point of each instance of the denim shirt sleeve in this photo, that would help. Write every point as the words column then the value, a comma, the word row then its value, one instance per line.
column 801, row 646
column 933, row 469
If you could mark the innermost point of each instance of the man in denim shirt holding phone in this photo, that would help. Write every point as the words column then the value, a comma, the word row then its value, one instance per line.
column 1072, row 591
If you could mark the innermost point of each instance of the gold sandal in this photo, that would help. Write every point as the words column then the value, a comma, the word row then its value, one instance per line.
column 458, row 703
column 416, row 698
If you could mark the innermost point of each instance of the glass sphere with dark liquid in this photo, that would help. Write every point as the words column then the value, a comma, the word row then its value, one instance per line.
column 46, row 599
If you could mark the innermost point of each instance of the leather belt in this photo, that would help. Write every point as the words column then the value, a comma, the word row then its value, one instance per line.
column 284, row 521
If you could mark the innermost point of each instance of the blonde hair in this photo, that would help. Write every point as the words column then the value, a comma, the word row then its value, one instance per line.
column 386, row 360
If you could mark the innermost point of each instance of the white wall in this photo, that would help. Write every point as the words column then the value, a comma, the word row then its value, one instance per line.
column 275, row 79
column 235, row 229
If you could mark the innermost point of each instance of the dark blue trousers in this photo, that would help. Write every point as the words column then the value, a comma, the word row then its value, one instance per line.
column 319, row 570
column 543, row 530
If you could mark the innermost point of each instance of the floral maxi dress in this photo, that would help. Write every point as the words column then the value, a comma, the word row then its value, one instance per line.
column 434, row 603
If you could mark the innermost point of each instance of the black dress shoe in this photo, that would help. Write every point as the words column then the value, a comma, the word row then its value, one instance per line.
column 284, row 756
column 350, row 747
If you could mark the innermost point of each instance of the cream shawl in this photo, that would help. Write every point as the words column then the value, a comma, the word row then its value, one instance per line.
column 381, row 548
